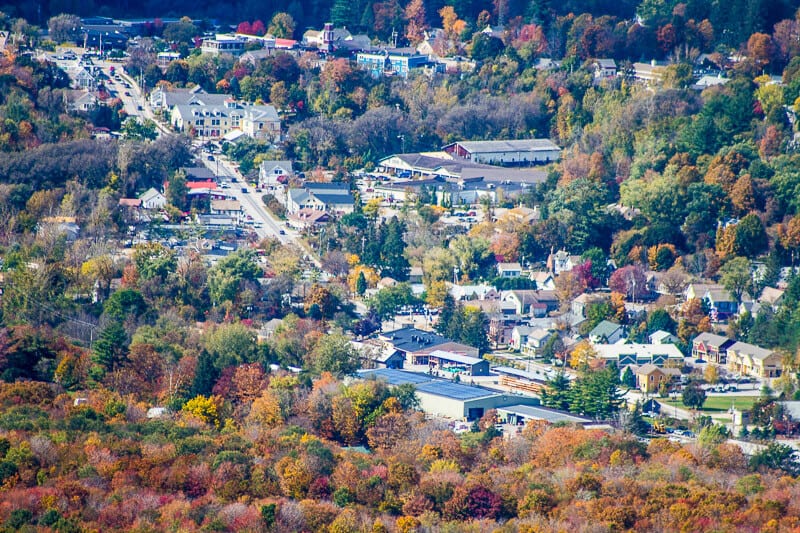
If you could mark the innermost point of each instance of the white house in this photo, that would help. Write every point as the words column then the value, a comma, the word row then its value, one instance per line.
column 152, row 199
column 271, row 173
column 604, row 68
column 544, row 280
column 509, row 270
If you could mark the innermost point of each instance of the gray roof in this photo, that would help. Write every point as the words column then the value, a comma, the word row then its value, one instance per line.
column 455, row 357
column 543, row 413
column 413, row 340
column 395, row 377
column 269, row 166
column 522, row 145
column 711, row 339
column 455, row 391
column 756, row 352
column 605, row 328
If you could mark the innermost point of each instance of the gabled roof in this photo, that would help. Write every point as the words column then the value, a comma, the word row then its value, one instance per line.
column 522, row 145
column 605, row 328
column 226, row 205
column 501, row 267
column 269, row 166
column 150, row 194
column 710, row 339
column 755, row 352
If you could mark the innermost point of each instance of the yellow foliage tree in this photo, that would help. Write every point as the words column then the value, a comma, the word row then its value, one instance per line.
column 266, row 410
column 208, row 409
column 582, row 355
column 370, row 275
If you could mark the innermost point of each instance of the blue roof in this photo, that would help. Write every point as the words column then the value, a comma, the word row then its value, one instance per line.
column 428, row 384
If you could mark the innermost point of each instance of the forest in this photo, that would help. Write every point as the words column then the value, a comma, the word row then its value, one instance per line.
column 258, row 429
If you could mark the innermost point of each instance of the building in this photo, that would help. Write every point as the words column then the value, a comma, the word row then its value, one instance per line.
column 537, row 338
column 662, row 337
column 449, row 362
column 711, row 348
column 640, row 354
column 223, row 44
column 308, row 219
column 544, row 280
column 231, row 208
column 604, row 68
column 509, row 270
column 391, row 61
column 448, row 399
column 607, row 332
column 163, row 59
column 648, row 73
column 416, row 345
column 152, row 199
column 521, row 414
column 80, row 101
column 519, row 152
column 331, row 197
column 531, row 302
column 562, row 261
column 272, row 173
column 649, row 377
column 750, row 360
column 214, row 121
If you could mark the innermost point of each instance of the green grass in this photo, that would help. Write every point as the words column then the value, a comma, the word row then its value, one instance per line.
column 720, row 404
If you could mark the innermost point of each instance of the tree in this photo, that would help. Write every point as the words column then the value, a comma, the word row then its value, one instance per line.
column 415, row 16
column 388, row 301
column 124, row 303
column 711, row 374
column 557, row 392
column 206, row 375
column 111, row 349
column 231, row 345
column 361, row 284
column 596, row 393
column 64, row 27
column 693, row 396
column 582, row 355
column 206, row 408
column 628, row 379
column 177, row 190
column 225, row 279
column 776, row 456
column 335, row 354
column 282, row 26
column 736, row 276
column 629, row 280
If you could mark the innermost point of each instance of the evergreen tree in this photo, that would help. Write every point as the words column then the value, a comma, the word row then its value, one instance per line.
column 446, row 315
column 628, row 379
column 557, row 392
column 596, row 393
column 206, row 375
column 475, row 330
column 393, row 260
column 111, row 349
column 361, row 284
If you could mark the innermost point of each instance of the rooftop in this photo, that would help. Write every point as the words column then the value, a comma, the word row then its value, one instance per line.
column 522, row 145
column 543, row 413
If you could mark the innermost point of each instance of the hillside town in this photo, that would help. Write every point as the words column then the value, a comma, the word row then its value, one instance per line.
column 400, row 268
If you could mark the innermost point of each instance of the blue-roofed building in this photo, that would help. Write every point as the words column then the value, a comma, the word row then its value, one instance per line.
column 449, row 399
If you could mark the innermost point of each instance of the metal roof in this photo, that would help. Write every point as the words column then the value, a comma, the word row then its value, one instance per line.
column 543, row 413
column 455, row 391
column 523, row 145
column 455, row 357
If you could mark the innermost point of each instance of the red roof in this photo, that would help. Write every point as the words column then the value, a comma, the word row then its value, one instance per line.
column 285, row 43
column 201, row 185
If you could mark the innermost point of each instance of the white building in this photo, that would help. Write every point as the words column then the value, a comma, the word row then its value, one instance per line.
column 223, row 44
column 513, row 152
column 152, row 199
column 272, row 173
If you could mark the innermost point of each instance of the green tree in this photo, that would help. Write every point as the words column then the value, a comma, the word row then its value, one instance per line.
column 124, row 303
column 231, row 345
column 750, row 237
column 628, row 379
column 736, row 276
column 776, row 456
column 225, row 279
column 335, row 354
column 693, row 396
column 557, row 392
column 177, row 190
column 393, row 260
column 361, row 284
column 388, row 301
column 154, row 259
column 111, row 349
column 206, row 375
column 596, row 393
column 446, row 315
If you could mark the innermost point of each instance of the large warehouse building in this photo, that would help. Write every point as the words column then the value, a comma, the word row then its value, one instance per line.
column 441, row 397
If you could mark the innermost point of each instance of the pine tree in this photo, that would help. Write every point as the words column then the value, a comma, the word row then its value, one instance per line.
column 628, row 379
column 393, row 260
column 205, row 375
column 361, row 284
column 446, row 315
column 557, row 392
column 111, row 349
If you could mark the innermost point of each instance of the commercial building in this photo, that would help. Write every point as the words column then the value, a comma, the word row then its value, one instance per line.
column 416, row 345
column 521, row 414
column 640, row 354
column 455, row 363
column 223, row 44
column 391, row 61
column 440, row 397
column 513, row 152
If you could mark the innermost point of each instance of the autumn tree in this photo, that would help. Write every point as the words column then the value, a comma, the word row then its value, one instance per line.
column 414, row 14
column 282, row 26
column 736, row 276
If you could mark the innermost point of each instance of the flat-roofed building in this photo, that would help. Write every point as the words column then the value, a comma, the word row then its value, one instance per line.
column 511, row 152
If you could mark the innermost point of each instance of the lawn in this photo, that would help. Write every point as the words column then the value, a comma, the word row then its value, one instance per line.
column 719, row 404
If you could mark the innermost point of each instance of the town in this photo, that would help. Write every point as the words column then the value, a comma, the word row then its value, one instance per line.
column 467, row 277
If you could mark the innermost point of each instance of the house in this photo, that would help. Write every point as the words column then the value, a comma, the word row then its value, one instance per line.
column 152, row 199
column 81, row 100
column 273, row 173
column 509, row 270
column 607, row 332
column 720, row 302
column 537, row 338
column 85, row 80
column 511, row 152
column 531, row 302
column 223, row 44
column 523, row 215
column 415, row 344
column 390, row 61
column 707, row 81
column 562, row 261
column 662, row 337
column 415, row 274
column 446, row 398
column 473, row 292
column 649, row 377
column 134, row 203
column 710, row 347
column 772, row 297
column 639, row 354
column 375, row 355
column 648, row 73
column 269, row 328
column 519, row 336
column 604, row 68
column 163, row 59
column 544, row 280
column 582, row 301
column 331, row 197
column 751, row 360
column 231, row 208
column 308, row 219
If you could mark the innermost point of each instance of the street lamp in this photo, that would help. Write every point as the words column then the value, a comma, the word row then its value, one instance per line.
column 455, row 275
